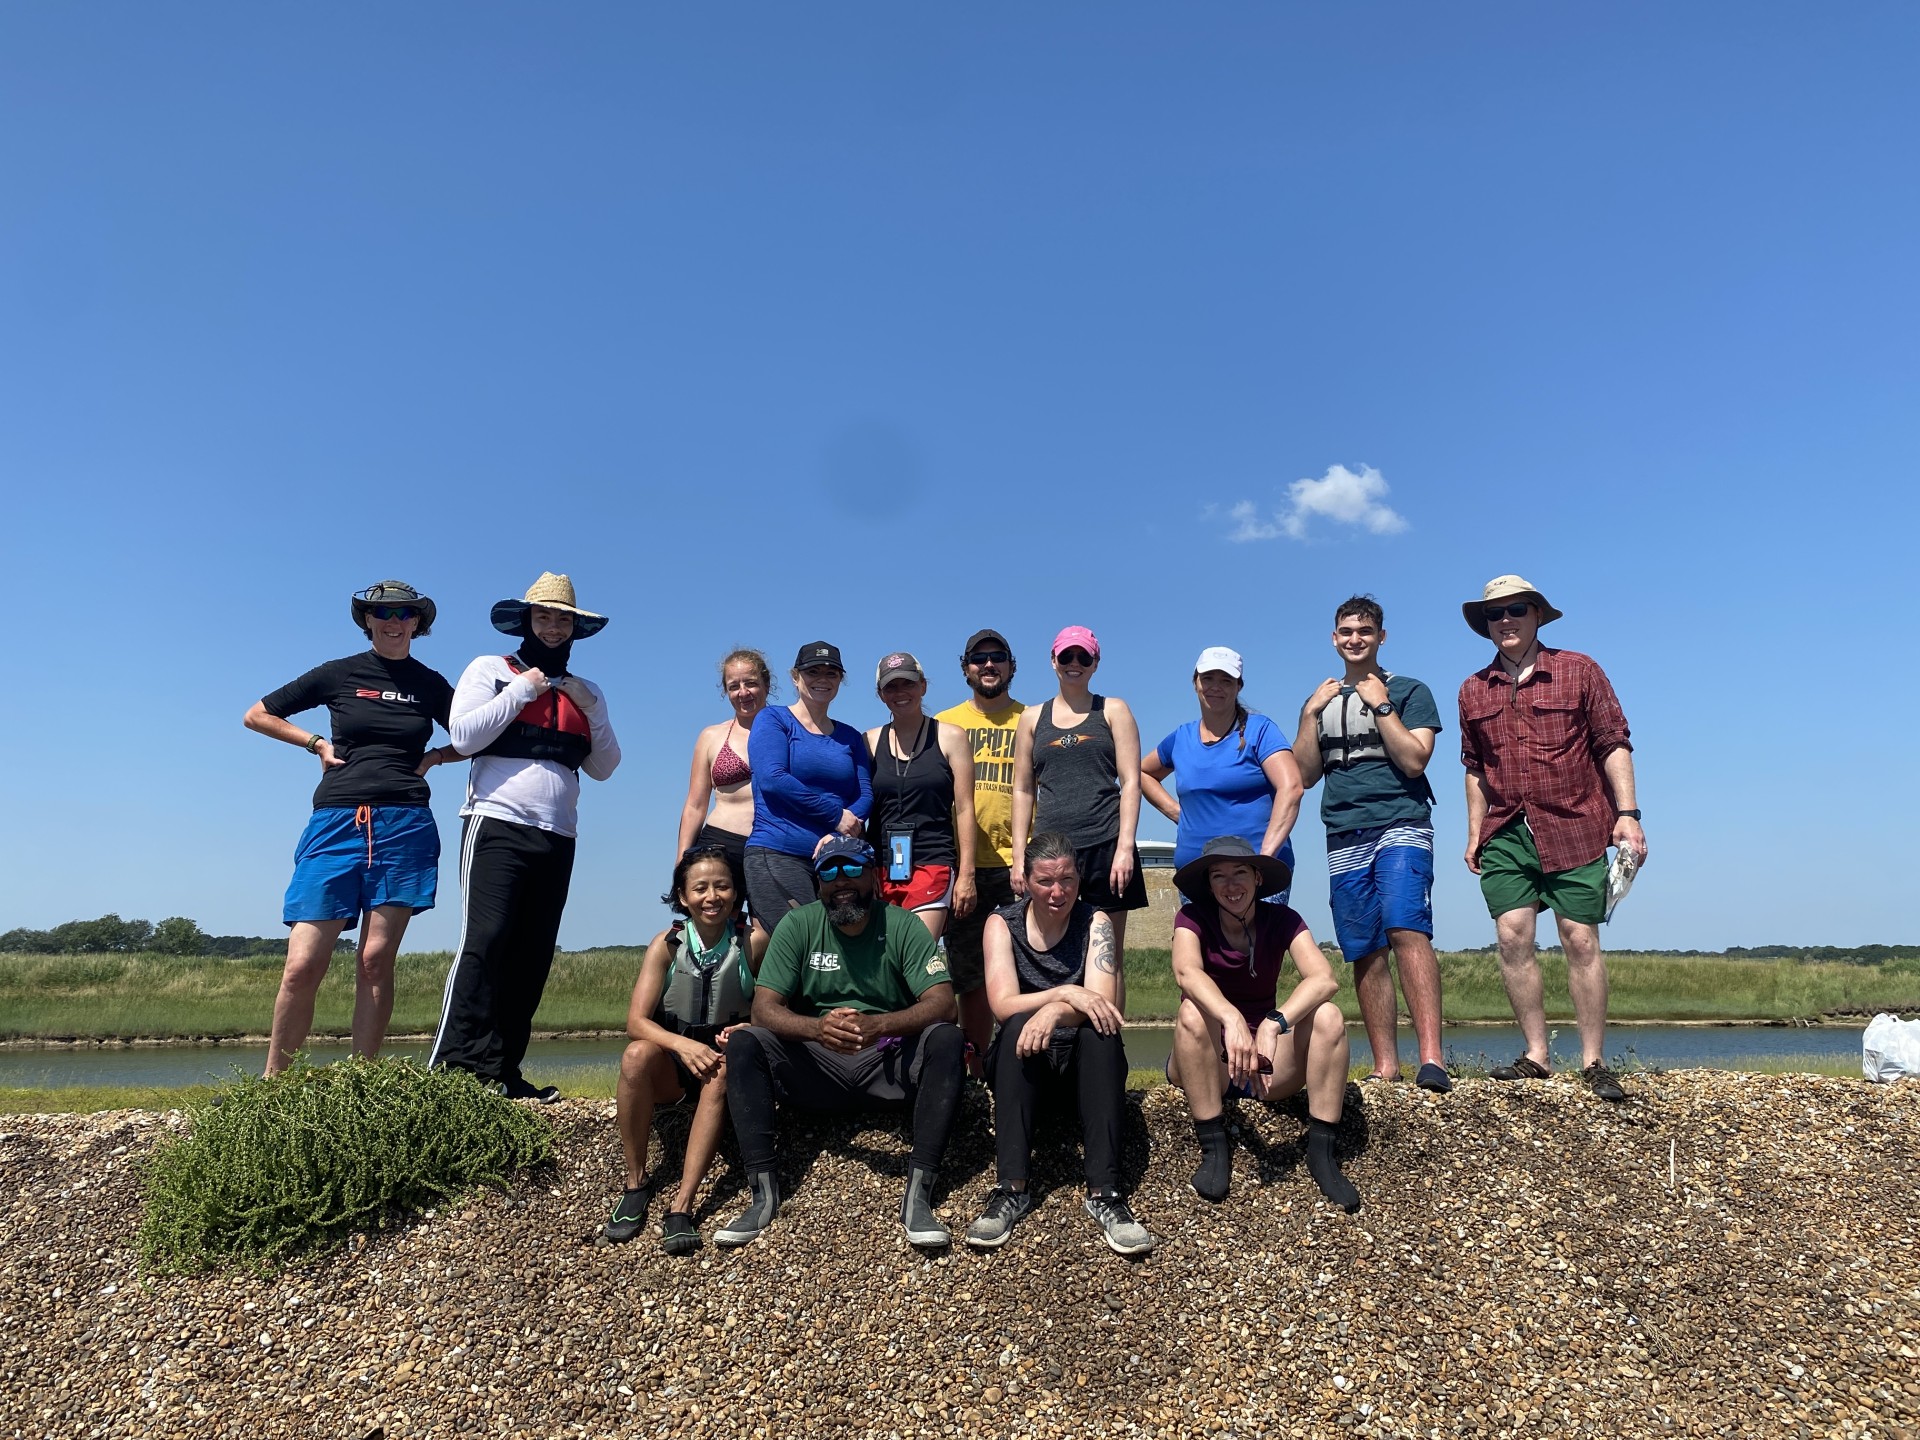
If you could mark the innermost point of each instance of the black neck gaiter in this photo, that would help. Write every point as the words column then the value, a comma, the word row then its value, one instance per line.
column 549, row 660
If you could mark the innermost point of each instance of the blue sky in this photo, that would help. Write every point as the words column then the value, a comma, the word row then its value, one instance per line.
column 880, row 323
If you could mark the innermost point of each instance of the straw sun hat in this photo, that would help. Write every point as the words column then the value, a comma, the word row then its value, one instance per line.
column 556, row 593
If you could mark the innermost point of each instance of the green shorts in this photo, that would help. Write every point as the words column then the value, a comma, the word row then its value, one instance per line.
column 1511, row 879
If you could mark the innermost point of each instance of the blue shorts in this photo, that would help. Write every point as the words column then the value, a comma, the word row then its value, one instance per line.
column 353, row 860
column 1382, row 880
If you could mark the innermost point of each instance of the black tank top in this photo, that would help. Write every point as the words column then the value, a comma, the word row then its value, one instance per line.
column 1064, row 964
column 1076, row 778
column 914, row 795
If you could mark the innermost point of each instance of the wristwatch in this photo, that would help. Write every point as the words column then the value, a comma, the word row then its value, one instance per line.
column 1626, row 814
column 1279, row 1018
column 1385, row 707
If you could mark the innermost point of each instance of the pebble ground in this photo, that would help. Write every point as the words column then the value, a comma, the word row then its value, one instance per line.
column 1722, row 1255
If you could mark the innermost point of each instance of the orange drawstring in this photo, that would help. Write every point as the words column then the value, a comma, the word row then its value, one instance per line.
column 364, row 816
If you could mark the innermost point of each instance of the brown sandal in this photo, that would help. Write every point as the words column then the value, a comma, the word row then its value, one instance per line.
column 1525, row 1068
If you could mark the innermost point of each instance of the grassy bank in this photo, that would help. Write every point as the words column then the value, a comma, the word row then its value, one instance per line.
column 164, row 996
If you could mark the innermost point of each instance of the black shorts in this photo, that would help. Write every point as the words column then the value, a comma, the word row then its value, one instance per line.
column 966, row 957
column 1096, row 865
column 734, row 845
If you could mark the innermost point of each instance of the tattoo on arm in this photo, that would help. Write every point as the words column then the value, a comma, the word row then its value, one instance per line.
column 1102, row 956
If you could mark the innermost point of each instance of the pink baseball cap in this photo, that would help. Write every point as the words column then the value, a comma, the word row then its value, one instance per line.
column 1076, row 635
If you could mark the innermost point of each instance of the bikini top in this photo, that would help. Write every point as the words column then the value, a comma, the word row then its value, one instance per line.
column 728, row 767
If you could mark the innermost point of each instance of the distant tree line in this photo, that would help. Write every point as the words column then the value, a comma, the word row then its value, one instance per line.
column 176, row 935
column 1810, row 954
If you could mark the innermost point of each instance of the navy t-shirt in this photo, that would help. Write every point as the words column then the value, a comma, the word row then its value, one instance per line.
column 383, row 716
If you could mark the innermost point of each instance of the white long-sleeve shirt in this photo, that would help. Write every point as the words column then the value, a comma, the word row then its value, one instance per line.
column 542, row 793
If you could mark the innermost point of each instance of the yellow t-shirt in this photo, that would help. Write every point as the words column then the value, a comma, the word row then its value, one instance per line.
column 992, row 739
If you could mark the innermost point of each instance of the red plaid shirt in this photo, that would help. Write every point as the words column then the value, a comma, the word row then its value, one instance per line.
column 1538, row 749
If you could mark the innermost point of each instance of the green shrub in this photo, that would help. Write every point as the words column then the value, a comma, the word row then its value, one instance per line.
column 272, row 1169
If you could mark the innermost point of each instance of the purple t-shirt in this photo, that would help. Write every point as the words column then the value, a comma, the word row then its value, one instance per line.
column 1250, row 983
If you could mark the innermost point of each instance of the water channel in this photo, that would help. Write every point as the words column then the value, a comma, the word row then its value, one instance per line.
column 590, row 1063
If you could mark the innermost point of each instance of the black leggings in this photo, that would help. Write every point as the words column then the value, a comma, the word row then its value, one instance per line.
column 1095, row 1063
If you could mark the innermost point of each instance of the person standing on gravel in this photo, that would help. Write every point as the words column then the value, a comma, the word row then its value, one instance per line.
column 1376, row 732
column 1053, row 979
column 991, row 718
column 852, row 1009
column 1549, row 766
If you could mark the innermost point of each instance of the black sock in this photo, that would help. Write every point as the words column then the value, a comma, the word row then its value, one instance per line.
column 1324, row 1169
column 1215, row 1176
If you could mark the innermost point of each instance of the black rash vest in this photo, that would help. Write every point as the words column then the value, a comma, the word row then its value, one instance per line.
column 383, row 716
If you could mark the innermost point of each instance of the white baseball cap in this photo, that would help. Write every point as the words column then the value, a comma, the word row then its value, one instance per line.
column 1218, row 657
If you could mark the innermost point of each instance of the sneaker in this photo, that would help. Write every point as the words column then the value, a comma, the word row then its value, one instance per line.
column 1603, row 1082
column 678, row 1235
column 1435, row 1078
column 916, row 1211
column 1005, row 1209
column 629, row 1215
column 752, row 1222
column 1125, row 1235
column 521, row 1088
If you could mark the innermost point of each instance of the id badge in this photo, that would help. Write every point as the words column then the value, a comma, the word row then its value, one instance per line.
column 900, row 855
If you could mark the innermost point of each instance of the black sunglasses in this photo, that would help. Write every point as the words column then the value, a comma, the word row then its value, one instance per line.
column 1501, row 612
column 1074, row 657
column 989, row 657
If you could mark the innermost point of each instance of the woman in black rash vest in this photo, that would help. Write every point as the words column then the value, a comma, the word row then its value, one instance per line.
column 722, row 775
column 532, row 727
column 371, row 844
column 1076, row 772
column 695, row 986
column 921, row 824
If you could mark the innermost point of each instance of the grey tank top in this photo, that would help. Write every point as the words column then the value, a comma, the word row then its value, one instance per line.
column 1064, row 964
column 1076, row 778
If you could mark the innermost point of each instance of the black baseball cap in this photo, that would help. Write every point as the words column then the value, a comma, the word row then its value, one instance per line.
column 975, row 640
column 818, row 652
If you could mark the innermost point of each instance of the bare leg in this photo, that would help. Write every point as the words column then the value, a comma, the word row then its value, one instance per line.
column 1315, row 1055
column 309, row 952
column 1520, row 973
column 934, row 919
column 1196, row 1066
column 1419, row 971
column 1587, row 983
column 976, row 1020
column 1373, row 983
column 703, row 1138
column 1118, row 919
column 373, row 977
column 643, row 1067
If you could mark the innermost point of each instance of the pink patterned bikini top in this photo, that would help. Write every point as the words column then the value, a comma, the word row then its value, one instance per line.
column 728, row 767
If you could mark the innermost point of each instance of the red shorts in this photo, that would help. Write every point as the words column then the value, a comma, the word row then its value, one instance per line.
column 930, row 887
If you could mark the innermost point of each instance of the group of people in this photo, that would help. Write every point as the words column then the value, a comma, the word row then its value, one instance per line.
column 867, row 917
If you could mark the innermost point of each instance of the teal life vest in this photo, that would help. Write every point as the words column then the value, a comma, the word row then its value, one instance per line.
column 705, row 993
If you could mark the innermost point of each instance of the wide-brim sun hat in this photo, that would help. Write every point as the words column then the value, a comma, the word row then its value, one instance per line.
column 1191, row 878
column 393, row 592
column 1505, row 587
column 556, row 593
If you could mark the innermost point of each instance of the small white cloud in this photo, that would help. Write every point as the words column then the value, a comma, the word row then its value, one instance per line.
column 1340, row 497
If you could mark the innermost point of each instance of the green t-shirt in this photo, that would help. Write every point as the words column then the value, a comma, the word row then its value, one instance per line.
column 1367, row 792
column 886, row 967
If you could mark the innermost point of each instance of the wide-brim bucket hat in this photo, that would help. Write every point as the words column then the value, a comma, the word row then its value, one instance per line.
column 556, row 593
column 1505, row 587
column 393, row 592
column 1191, row 878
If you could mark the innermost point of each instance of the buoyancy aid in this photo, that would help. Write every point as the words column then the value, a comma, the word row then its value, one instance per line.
column 1349, row 735
column 551, row 727
column 705, row 994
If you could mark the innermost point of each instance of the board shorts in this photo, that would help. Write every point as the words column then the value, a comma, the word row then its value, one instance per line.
column 1382, row 880
column 350, row 860
column 929, row 887
column 966, row 954
column 1096, row 865
column 1511, row 879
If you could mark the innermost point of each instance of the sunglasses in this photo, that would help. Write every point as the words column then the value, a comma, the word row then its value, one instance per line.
column 1074, row 656
column 1501, row 612
column 989, row 657
column 393, row 612
column 841, row 870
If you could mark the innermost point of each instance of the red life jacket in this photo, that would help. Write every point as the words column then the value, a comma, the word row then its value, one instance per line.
column 551, row 727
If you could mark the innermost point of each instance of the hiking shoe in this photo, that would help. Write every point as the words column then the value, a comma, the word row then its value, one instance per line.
column 1525, row 1067
column 1124, row 1234
column 1435, row 1078
column 677, row 1235
column 1005, row 1209
column 753, row 1221
column 521, row 1088
column 629, row 1215
column 1603, row 1082
column 916, row 1211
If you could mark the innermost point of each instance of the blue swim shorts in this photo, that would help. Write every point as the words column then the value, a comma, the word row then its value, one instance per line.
column 348, row 861
column 1382, row 880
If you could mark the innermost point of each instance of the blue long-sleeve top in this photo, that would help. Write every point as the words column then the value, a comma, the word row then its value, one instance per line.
column 802, row 781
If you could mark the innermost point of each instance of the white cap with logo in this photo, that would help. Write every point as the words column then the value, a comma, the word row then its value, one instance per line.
column 1218, row 657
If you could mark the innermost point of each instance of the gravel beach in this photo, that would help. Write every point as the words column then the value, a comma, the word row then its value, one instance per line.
column 1723, row 1255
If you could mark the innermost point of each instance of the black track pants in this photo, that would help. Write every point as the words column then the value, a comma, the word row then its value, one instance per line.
column 513, row 886
column 1094, row 1065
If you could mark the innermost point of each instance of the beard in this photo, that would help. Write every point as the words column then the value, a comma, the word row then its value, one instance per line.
column 989, row 689
column 850, row 910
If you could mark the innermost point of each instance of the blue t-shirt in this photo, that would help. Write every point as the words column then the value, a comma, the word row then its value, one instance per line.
column 802, row 781
column 1222, row 788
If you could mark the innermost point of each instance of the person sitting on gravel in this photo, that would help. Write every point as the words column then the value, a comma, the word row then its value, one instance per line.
column 695, row 987
column 1231, row 1036
column 1053, row 981
column 852, row 1008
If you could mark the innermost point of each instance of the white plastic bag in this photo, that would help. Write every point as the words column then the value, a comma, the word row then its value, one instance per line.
column 1890, row 1050
column 1619, row 880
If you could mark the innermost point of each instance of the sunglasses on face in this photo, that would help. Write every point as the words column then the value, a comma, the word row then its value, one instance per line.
column 841, row 870
column 1501, row 612
column 1074, row 657
column 989, row 657
column 394, row 612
